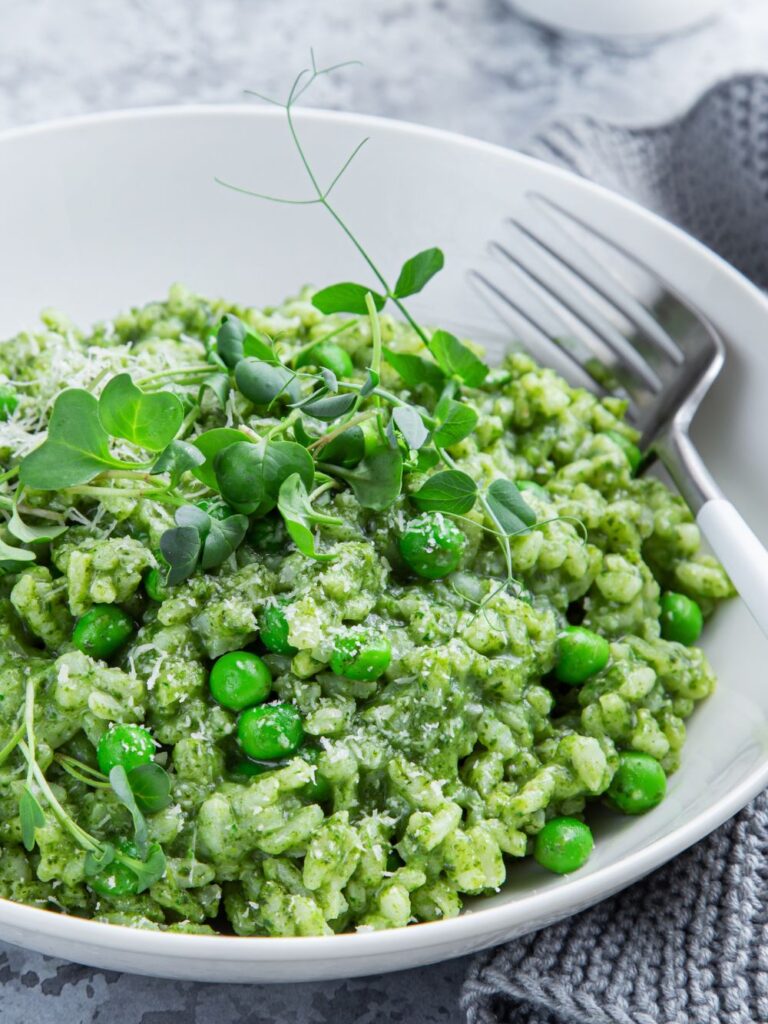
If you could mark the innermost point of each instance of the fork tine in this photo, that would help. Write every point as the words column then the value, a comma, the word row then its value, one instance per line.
column 606, row 282
column 588, row 317
column 578, row 364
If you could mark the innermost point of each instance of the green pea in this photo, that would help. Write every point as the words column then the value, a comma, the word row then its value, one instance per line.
column 639, row 784
column 154, row 584
column 563, row 845
column 116, row 879
column 238, row 469
column 361, row 655
column 319, row 790
column 216, row 509
column 330, row 356
column 8, row 401
column 102, row 630
column 126, row 745
column 580, row 654
column 270, row 732
column 273, row 629
column 239, row 679
column 681, row 619
column 432, row 545
column 632, row 452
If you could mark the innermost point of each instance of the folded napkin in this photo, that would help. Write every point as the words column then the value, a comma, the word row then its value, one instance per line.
column 689, row 944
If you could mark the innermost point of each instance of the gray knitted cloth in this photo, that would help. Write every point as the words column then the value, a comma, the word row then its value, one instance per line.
column 689, row 944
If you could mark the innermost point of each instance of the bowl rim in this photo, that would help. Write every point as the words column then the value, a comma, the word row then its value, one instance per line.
column 475, row 928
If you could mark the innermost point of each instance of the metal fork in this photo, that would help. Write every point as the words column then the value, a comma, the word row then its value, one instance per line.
column 610, row 322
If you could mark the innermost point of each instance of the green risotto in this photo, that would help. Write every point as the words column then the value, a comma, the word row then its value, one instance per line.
column 306, row 627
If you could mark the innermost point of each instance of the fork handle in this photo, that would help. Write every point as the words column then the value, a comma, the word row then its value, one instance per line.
column 741, row 553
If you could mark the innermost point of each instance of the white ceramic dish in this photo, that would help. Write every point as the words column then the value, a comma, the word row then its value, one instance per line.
column 105, row 211
column 609, row 18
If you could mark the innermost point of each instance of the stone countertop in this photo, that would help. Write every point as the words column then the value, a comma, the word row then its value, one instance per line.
column 468, row 65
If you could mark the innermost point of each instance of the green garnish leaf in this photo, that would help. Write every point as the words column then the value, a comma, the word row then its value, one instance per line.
column 370, row 383
column 180, row 547
column 177, row 459
column 427, row 459
column 509, row 507
column 346, row 298
column 377, row 480
column 210, row 444
column 456, row 421
column 415, row 370
column 456, row 360
column 13, row 559
column 249, row 476
column 121, row 787
column 235, row 341
column 263, row 383
column 417, row 271
column 330, row 380
column 224, row 536
column 149, row 420
column 76, row 449
column 218, row 385
column 411, row 426
column 97, row 860
column 296, row 509
column 151, row 786
column 32, row 534
column 449, row 491
column 31, row 816
column 148, row 871
column 330, row 408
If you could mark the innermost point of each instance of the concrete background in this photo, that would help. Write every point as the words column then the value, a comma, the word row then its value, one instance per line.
column 469, row 65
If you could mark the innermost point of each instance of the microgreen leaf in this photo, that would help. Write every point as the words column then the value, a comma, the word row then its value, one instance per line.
column 197, row 518
column 76, row 449
column 330, row 408
column 218, row 385
column 417, row 271
column 31, row 816
column 370, row 383
column 249, row 476
column 509, row 507
column 97, row 860
column 411, row 426
column 262, row 383
column 427, row 459
column 297, row 512
column 121, row 787
column 180, row 547
column 235, row 341
column 330, row 380
column 151, row 786
column 456, row 421
column 210, row 444
column 449, row 491
column 377, row 480
column 223, row 538
column 149, row 420
column 415, row 370
column 32, row 534
column 456, row 360
column 176, row 460
column 13, row 559
column 148, row 871
column 346, row 298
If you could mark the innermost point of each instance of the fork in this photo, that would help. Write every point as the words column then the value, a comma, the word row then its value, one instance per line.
column 609, row 322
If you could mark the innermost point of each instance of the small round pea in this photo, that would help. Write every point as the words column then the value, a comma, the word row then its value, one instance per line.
column 580, row 654
column 239, row 679
column 8, row 401
column 216, row 509
column 116, row 879
column 361, row 655
column 330, row 356
column 563, row 845
column 126, row 745
column 632, row 452
column 319, row 790
column 102, row 630
column 639, row 783
column 432, row 545
column 270, row 732
column 680, row 618
column 273, row 629
column 154, row 584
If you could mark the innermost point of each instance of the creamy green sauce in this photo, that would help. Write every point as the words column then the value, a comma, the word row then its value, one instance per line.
column 439, row 773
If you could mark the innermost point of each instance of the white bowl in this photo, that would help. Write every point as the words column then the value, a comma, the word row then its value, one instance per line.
column 612, row 18
column 105, row 211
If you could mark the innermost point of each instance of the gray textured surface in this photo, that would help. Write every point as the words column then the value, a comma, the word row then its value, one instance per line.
column 470, row 65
